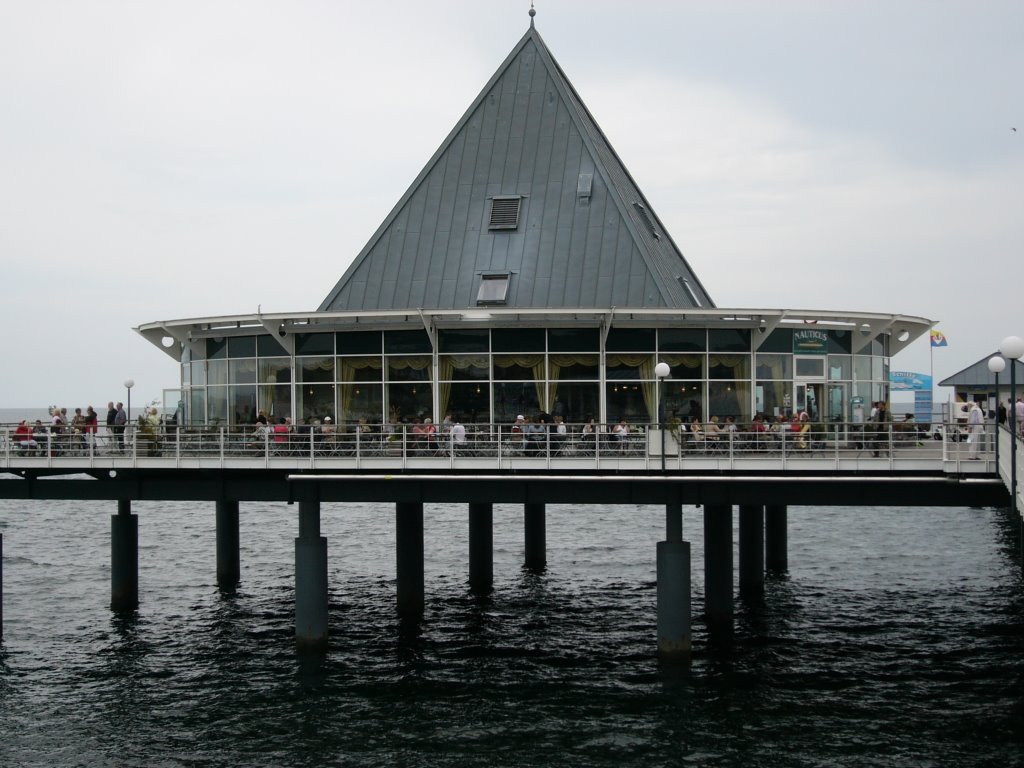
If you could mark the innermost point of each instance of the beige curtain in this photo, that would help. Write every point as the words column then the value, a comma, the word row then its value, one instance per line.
column 418, row 363
column 536, row 365
column 349, row 366
column 558, row 362
column 647, row 384
column 448, row 365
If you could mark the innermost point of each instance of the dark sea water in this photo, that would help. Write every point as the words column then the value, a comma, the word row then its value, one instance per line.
column 897, row 639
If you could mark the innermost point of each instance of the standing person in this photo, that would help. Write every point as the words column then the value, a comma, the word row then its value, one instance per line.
column 458, row 433
column 91, row 426
column 881, row 436
column 111, row 424
column 120, row 420
column 975, row 421
column 1019, row 411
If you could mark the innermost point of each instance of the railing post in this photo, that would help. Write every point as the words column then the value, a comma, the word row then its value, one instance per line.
column 221, row 430
column 177, row 445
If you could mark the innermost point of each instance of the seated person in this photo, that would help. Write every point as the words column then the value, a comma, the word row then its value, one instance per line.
column 23, row 438
column 621, row 432
column 713, row 432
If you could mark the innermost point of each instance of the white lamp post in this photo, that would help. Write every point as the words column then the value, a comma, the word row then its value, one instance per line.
column 996, row 364
column 1012, row 347
column 661, row 370
column 129, row 383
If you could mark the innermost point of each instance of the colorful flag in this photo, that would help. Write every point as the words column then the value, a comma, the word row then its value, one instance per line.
column 939, row 339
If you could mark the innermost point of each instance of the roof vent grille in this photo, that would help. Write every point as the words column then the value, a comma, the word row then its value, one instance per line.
column 504, row 212
column 646, row 216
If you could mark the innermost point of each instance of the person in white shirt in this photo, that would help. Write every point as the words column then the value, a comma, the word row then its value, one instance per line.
column 976, row 422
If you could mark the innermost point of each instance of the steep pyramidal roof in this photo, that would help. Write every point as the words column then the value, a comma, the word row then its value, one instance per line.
column 527, row 196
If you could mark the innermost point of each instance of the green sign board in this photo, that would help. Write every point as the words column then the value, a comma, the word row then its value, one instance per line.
column 808, row 342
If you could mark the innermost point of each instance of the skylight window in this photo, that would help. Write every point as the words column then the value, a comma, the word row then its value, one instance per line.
column 493, row 288
column 505, row 212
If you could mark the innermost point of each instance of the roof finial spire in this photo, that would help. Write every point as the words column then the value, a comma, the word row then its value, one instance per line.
column 533, row 13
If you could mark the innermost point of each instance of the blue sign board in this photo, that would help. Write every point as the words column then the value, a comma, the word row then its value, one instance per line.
column 907, row 381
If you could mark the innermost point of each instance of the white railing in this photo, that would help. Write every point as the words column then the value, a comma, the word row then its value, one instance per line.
column 502, row 446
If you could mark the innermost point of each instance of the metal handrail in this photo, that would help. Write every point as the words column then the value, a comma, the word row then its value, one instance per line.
column 499, row 445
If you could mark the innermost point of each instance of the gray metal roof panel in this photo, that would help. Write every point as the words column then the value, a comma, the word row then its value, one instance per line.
column 526, row 133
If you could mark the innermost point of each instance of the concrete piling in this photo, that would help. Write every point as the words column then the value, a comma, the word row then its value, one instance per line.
column 718, row 584
column 535, row 535
column 228, row 560
column 776, row 539
column 409, row 559
column 124, row 558
column 481, row 548
column 310, row 579
column 751, row 551
column 674, row 634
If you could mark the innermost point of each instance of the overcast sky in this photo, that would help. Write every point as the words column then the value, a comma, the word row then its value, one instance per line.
column 172, row 160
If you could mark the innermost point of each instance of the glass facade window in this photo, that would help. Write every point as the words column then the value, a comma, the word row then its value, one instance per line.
column 217, row 372
column 314, row 344
column 315, row 369
column 242, row 371
column 575, row 402
column 464, row 367
column 197, row 405
column 682, row 340
column 729, row 398
column 274, row 370
column 684, row 400
column 389, row 375
column 524, row 367
column 408, row 401
column 406, row 342
column 463, row 340
column 314, row 401
column 631, row 340
column 810, row 367
column 840, row 368
column 514, row 398
column 242, row 346
column 471, row 403
column 268, row 346
column 410, row 368
column 625, row 366
column 773, row 398
column 728, row 340
column 365, row 368
column 360, row 401
column 774, row 366
column 573, row 340
column 275, row 401
column 632, row 401
column 729, row 367
column 242, row 402
column 359, row 343
column 685, row 366
column 580, row 367
column 839, row 342
column 862, row 368
column 779, row 340
column 216, row 405
column 518, row 340
column 216, row 349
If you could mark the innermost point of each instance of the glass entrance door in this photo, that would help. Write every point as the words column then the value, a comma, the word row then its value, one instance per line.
column 836, row 402
column 810, row 397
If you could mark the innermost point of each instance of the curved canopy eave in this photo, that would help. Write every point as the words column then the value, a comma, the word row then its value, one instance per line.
column 903, row 329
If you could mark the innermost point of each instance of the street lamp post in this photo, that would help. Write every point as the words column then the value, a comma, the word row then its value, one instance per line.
column 128, row 383
column 661, row 370
column 996, row 364
column 1012, row 347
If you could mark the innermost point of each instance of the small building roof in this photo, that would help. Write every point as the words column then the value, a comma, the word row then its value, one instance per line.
column 978, row 374
column 526, row 191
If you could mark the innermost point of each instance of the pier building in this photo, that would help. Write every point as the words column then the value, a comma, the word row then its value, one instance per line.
column 522, row 273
